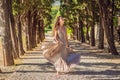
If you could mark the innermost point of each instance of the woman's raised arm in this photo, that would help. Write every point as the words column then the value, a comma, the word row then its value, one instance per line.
column 56, row 36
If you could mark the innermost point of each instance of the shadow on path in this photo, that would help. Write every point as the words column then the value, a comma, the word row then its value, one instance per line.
column 94, row 65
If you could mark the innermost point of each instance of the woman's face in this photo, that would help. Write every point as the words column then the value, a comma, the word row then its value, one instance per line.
column 61, row 21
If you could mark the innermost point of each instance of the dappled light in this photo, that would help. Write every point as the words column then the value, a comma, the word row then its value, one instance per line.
column 26, row 31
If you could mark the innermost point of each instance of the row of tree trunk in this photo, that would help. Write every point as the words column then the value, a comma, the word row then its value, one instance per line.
column 12, row 33
column 105, row 27
column 34, row 30
column 106, row 15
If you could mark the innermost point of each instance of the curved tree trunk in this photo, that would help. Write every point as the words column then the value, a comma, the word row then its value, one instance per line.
column 13, row 32
column 19, row 28
column 21, row 50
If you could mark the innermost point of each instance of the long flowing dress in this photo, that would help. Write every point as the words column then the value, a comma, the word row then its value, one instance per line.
column 61, row 56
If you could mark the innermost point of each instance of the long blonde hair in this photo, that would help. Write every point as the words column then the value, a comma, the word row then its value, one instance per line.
column 57, row 24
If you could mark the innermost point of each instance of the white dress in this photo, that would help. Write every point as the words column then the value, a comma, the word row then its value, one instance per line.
column 61, row 56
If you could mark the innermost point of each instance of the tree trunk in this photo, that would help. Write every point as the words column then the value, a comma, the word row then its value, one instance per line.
column 28, row 37
column 82, row 37
column 87, row 33
column 111, row 16
column 13, row 32
column 37, row 32
column 118, row 30
column 73, row 33
column 101, row 36
column 19, row 27
column 34, row 44
column 6, row 37
column 105, row 13
column 39, row 39
column 78, row 34
column 92, row 31
column 42, row 30
column 118, row 34
column 77, row 31
column 21, row 50
column 92, row 34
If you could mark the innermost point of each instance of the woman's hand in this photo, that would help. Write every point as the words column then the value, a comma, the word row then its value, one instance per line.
column 70, row 50
column 67, row 45
column 60, row 42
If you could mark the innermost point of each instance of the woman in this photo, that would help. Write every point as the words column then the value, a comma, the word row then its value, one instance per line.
column 59, row 54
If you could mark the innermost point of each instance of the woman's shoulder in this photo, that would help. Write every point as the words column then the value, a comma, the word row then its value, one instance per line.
column 56, row 28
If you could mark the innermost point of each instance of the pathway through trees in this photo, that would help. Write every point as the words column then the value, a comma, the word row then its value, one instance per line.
column 95, row 24
column 93, row 65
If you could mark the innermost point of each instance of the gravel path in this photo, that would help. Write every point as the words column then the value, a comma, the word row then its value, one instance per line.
column 94, row 65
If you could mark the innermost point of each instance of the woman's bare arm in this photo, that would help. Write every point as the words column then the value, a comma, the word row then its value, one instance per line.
column 55, row 36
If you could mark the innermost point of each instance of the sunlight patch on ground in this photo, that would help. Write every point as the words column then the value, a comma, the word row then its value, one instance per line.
column 17, row 61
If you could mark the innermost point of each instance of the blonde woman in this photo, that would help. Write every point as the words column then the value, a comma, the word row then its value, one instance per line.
column 59, row 54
